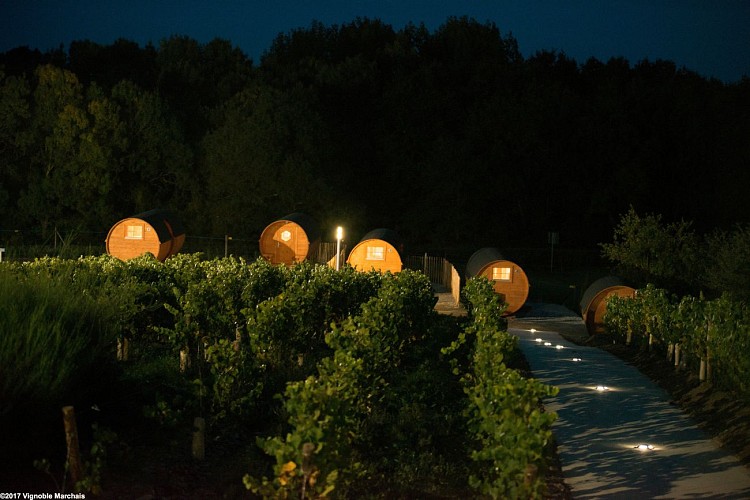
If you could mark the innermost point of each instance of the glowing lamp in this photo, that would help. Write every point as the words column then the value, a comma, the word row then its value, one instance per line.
column 339, row 237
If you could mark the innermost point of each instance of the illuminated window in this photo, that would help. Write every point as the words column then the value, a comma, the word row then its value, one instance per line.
column 375, row 253
column 501, row 273
column 134, row 232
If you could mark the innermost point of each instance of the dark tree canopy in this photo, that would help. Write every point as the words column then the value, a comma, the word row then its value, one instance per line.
column 450, row 137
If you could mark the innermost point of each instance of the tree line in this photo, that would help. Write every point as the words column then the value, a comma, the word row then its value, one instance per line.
column 646, row 250
column 451, row 137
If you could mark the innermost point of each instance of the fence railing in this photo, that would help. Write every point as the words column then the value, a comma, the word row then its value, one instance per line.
column 326, row 254
column 440, row 271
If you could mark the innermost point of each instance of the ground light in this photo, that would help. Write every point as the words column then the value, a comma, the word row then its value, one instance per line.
column 558, row 347
column 640, row 447
column 539, row 340
column 605, row 388
column 577, row 359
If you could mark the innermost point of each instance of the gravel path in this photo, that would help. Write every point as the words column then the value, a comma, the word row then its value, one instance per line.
column 598, row 431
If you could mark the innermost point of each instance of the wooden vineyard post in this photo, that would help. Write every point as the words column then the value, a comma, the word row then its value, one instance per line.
column 123, row 349
column 71, row 437
column 704, row 374
column 708, row 356
column 199, row 438
column 307, row 466
column 530, row 474
column 184, row 360
column 237, row 344
column 703, row 356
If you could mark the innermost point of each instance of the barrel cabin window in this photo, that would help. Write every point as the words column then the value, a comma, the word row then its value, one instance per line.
column 501, row 273
column 508, row 280
column 134, row 232
column 375, row 253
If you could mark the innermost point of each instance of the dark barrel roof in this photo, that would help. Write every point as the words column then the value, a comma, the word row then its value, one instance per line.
column 596, row 287
column 307, row 223
column 387, row 235
column 156, row 218
column 481, row 258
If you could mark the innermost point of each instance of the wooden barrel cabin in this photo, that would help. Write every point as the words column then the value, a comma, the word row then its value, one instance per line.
column 594, row 301
column 291, row 239
column 159, row 232
column 508, row 278
column 378, row 250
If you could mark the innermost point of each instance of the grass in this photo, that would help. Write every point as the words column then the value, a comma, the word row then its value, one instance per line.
column 52, row 339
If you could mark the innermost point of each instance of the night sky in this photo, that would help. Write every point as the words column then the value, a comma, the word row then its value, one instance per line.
column 710, row 37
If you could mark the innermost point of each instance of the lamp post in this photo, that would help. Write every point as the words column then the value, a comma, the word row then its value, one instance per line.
column 552, row 239
column 226, row 245
column 339, row 237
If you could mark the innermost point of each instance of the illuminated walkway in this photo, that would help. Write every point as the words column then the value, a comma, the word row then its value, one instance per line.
column 599, row 431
